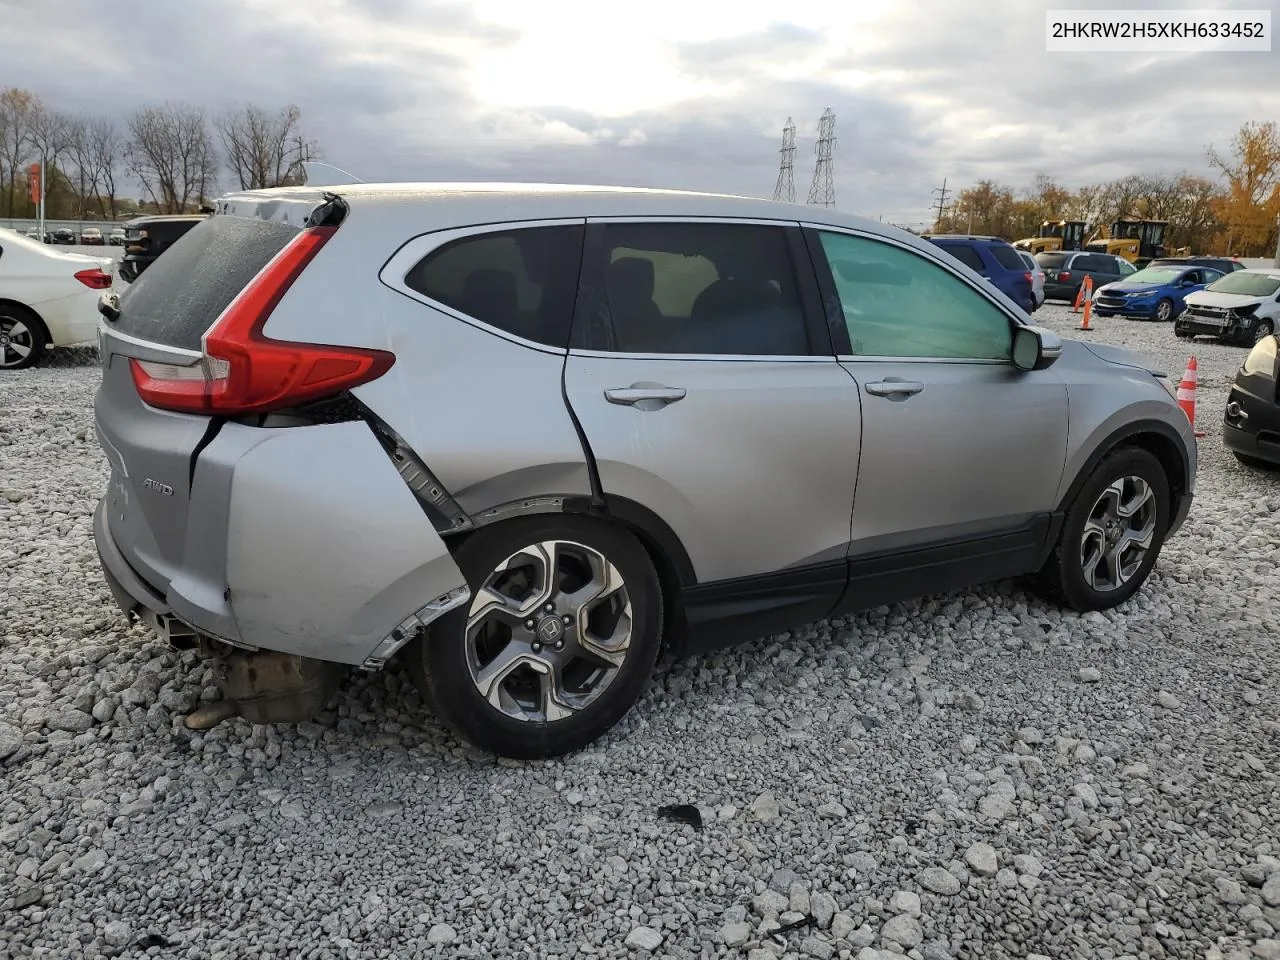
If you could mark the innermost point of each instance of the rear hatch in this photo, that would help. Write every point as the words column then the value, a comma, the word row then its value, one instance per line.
column 162, row 319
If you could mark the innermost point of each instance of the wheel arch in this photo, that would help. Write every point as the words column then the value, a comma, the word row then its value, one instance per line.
column 1156, row 437
column 30, row 312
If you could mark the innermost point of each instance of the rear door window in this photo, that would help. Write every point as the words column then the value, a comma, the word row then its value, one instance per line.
column 703, row 289
column 182, row 293
column 521, row 281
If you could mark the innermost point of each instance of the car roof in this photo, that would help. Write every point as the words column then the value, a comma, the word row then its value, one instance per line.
column 466, row 203
column 965, row 236
column 1272, row 272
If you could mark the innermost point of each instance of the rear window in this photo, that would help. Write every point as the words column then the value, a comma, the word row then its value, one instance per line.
column 965, row 254
column 1052, row 261
column 183, row 291
column 1007, row 257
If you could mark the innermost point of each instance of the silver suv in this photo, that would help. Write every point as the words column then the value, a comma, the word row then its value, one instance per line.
column 526, row 437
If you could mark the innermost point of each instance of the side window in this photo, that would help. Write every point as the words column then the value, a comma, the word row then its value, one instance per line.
column 1125, row 266
column 1192, row 276
column 1007, row 257
column 965, row 254
column 522, row 281
column 1210, row 275
column 693, row 288
column 1089, row 263
column 898, row 303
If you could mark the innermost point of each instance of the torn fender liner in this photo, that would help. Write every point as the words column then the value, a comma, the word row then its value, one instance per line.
column 328, row 550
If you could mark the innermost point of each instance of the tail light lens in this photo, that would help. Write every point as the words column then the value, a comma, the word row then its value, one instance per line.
column 95, row 279
column 1064, row 275
column 1028, row 277
column 244, row 372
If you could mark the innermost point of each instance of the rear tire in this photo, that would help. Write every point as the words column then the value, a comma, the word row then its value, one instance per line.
column 567, row 669
column 1103, row 556
column 22, row 338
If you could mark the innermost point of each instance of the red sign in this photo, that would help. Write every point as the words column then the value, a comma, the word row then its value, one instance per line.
column 33, row 182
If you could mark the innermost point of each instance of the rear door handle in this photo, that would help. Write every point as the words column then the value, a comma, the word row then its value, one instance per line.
column 647, row 397
column 895, row 388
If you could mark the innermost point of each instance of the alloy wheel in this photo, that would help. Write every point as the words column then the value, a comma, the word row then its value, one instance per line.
column 1119, row 532
column 1164, row 310
column 548, row 630
column 17, row 340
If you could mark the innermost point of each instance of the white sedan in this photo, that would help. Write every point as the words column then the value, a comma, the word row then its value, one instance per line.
column 48, row 298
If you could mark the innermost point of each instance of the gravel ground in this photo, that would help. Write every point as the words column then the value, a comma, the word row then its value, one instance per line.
column 974, row 775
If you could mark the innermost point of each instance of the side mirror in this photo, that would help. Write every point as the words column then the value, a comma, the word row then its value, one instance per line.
column 1035, row 348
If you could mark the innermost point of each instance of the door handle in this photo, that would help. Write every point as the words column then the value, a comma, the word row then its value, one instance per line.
column 895, row 388
column 651, row 396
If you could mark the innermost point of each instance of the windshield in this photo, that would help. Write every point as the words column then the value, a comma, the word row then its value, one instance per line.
column 1247, row 284
column 1154, row 275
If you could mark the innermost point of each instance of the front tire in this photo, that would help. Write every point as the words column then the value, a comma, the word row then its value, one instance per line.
column 22, row 339
column 1164, row 311
column 1261, row 330
column 1112, row 534
column 558, row 641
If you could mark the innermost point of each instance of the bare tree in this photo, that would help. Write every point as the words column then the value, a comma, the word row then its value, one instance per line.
column 82, row 167
column 172, row 154
column 18, row 109
column 261, row 148
column 104, row 154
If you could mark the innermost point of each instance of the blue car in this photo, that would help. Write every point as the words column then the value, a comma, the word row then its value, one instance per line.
column 1155, row 293
column 994, row 259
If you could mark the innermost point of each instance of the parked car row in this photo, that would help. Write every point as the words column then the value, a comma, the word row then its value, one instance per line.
column 88, row 237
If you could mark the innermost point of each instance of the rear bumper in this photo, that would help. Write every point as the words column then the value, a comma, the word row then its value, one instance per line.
column 299, row 540
column 1251, row 426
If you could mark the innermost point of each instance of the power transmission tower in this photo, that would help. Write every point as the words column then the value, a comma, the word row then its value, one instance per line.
column 823, row 189
column 785, row 189
column 942, row 202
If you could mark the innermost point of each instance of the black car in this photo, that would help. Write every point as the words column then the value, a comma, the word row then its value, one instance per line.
column 62, row 236
column 145, row 238
column 1221, row 264
column 1251, row 425
column 1064, row 271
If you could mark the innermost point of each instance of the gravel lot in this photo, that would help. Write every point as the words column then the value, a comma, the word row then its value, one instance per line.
column 974, row 775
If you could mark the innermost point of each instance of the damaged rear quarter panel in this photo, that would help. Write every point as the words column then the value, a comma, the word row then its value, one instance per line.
column 327, row 549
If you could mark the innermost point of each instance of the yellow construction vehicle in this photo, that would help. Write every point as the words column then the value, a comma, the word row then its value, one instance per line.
column 1137, row 240
column 1055, row 235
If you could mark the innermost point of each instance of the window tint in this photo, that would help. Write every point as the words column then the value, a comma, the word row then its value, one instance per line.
column 1124, row 266
column 522, row 281
column 180, row 295
column 897, row 303
column 965, row 254
column 693, row 288
column 1052, row 261
column 1209, row 275
column 1007, row 257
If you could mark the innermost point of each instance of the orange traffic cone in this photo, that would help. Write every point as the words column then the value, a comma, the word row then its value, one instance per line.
column 1086, row 288
column 1187, row 394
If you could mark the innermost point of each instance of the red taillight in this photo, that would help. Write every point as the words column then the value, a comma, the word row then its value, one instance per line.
column 94, row 279
column 244, row 372
column 1028, row 276
column 1065, row 275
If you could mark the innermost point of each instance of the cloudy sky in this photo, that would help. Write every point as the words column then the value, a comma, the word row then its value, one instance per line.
column 672, row 93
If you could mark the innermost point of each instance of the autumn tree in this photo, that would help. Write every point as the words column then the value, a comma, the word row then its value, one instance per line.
column 172, row 154
column 260, row 147
column 1252, row 201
